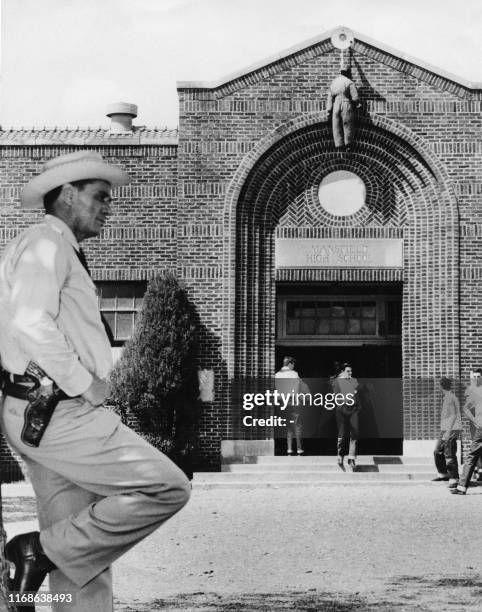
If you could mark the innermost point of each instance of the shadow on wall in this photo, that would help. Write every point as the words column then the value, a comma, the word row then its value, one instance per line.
column 213, row 412
column 366, row 91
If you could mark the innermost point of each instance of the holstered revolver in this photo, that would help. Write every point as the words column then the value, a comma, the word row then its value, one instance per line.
column 43, row 397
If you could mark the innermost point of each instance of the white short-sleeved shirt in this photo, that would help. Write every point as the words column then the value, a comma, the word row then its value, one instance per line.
column 49, row 309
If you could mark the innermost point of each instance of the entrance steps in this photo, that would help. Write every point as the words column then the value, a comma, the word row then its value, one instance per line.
column 283, row 471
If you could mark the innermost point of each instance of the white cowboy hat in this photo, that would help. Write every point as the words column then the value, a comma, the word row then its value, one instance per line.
column 68, row 168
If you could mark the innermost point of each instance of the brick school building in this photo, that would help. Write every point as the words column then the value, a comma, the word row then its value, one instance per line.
column 288, row 246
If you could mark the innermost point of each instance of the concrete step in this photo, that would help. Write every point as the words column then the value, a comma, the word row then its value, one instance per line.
column 296, row 466
column 308, row 476
column 292, row 471
column 299, row 484
column 329, row 460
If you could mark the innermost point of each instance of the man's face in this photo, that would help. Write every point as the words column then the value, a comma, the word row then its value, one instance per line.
column 91, row 206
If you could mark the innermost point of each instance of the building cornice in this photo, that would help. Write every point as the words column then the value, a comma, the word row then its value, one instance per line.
column 88, row 137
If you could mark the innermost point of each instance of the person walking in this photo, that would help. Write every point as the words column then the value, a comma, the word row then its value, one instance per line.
column 100, row 487
column 445, row 452
column 347, row 419
column 473, row 399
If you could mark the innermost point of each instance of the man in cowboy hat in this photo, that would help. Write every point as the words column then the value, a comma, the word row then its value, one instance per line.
column 342, row 96
column 100, row 488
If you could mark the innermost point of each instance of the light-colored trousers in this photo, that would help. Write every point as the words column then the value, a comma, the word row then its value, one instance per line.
column 343, row 121
column 100, row 489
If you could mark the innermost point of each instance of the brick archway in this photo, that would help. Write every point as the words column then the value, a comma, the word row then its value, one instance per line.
column 409, row 196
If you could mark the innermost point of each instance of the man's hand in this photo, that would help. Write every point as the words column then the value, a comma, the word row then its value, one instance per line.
column 97, row 393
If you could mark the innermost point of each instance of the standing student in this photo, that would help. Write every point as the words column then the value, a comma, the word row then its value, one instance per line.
column 474, row 398
column 347, row 419
column 445, row 452
column 287, row 382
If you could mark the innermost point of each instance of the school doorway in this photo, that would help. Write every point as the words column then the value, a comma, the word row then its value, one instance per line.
column 323, row 324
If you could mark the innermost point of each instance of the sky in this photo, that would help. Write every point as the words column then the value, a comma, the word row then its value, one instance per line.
column 64, row 61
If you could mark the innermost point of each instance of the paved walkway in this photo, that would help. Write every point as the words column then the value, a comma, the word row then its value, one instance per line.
column 335, row 548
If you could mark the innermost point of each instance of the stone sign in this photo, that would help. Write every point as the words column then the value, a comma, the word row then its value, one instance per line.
column 339, row 253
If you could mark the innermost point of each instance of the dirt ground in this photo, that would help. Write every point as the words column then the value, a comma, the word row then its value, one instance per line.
column 335, row 549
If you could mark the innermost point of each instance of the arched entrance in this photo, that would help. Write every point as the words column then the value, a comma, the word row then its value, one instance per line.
column 408, row 197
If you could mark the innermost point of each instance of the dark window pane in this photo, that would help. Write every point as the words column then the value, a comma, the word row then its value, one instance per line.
column 323, row 326
column 338, row 310
column 108, row 290
column 369, row 326
column 353, row 311
column 298, row 311
column 125, row 296
column 291, row 309
column 394, row 315
column 107, row 296
column 109, row 317
column 337, row 326
column 308, row 309
column 368, row 311
column 308, row 326
column 323, row 310
column 139, row 289
column 125, row 325
column 293, row 326
column 354, row 326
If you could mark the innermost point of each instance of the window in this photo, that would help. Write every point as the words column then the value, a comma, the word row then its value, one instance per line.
column 330, row 318
column 338, row 318
column 120, row 304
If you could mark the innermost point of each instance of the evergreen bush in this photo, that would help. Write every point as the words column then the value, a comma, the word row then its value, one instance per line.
column 156, row 377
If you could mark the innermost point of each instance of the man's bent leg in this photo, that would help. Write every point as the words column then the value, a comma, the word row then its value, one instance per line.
column 140, row 487
column 57, row 498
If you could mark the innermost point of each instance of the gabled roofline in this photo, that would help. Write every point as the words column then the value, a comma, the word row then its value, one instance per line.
column 321, row 38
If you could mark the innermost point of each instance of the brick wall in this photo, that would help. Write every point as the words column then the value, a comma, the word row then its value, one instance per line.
column 259, row 144
column 244, row 168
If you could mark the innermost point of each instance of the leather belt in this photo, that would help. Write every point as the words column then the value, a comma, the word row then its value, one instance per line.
column 19, row 378
column 20, row 391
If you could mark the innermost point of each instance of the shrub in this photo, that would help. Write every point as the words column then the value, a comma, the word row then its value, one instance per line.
column 156, row 378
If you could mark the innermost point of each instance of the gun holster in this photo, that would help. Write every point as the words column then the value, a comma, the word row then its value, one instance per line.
column 42, row 401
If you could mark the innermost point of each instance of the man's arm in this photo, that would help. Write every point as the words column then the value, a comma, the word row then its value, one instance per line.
column 38, row 275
